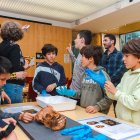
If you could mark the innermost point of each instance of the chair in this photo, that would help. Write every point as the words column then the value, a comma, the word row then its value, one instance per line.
column 31, row 96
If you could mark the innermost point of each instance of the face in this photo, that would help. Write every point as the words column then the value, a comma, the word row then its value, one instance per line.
column 78, row 42
column 50, row 57
column 131, row 61
column 86, row 62
column 107, row 42
column 3, row 78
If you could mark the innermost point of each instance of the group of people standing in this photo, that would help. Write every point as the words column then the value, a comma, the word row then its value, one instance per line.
column 98, row 79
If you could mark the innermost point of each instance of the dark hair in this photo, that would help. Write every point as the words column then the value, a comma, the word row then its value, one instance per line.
column 92, row 51
column 111, row 37
column 11, row 30
column 132, row 47
column 87, row 35
column 47, row 48
column 5, row 65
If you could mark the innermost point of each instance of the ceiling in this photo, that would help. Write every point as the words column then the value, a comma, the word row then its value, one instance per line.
column 95, row 15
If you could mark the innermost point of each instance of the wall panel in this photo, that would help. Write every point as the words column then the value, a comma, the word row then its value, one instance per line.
column 38, row 35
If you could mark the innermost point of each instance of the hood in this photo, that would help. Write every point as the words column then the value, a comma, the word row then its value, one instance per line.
column 99, row 68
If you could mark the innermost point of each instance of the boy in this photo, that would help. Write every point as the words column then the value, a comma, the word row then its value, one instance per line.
column 92, row 95
column 83, row 38
column 127, row 93
column 48, row 74
column 5, row 66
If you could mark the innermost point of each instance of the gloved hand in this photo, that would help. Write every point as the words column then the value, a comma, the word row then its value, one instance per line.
column 97, row 77
column 62, row 90
column 82, row 132
column 44, row 93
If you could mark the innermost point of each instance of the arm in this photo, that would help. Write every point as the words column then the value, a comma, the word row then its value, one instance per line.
column 38, row 88
column 25, row 117
column 72, row 56
column 104, row 103
column 131, row 101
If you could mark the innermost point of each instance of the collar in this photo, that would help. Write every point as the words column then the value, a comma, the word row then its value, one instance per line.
column 114, row 51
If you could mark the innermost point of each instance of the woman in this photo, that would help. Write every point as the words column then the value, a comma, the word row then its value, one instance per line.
column 11, row 32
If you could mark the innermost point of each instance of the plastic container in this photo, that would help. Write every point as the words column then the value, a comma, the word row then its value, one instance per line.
column 59, row 103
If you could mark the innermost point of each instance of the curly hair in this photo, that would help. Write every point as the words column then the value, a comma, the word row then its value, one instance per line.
column 11, row 30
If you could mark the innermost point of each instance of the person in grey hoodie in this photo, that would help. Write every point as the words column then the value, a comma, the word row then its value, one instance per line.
column 92, row 94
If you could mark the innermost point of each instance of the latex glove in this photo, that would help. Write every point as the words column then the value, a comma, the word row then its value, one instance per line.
column 82, row 132
column 44, row 93
column 62, row 90
column 97, row 77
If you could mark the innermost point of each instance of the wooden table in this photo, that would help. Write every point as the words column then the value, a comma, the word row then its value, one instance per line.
column 77, row 114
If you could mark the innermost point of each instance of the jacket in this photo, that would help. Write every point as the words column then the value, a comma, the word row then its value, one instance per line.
column 128, row 97
column 91, row 94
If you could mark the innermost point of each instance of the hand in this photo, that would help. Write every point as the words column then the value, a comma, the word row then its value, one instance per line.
column 110, row 87
column 10, row 120
column 62, row 90
column 97, row 77
column 44, row 93
column 21, row 75
column 25, row 28
column 4, row 96
column 51, row 87
column 26, row 117
column 69, row 49
column 92, row 109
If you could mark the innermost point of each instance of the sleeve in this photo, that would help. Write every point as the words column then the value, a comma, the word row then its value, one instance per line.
column 72, row 56
column 8, row 115
column 14, row 57
column 62, row 80
column 105, row 102
column 36, row 83
column 117, row 75
column 131, row 101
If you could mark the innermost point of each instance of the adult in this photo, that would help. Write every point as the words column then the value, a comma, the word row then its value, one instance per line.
column 11, row 32
column 112, row 60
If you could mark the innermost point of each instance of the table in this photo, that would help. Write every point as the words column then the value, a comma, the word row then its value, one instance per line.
column 77, row 114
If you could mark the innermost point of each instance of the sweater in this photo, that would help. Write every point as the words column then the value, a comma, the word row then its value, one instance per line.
column 46, row 74
column 91, row 94
column 128, row 97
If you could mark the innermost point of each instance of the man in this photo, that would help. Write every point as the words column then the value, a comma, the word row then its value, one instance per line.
column 112, row 60
column 49, row 74
column 83, row 38
column 8, row 118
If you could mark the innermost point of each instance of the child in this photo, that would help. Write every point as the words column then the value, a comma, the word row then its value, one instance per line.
column 92, row 95
column 127, row 93
column 5, row 66
column 48, row 74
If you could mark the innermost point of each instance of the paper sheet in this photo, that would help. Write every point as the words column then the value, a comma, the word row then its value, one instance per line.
column 112, row 128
